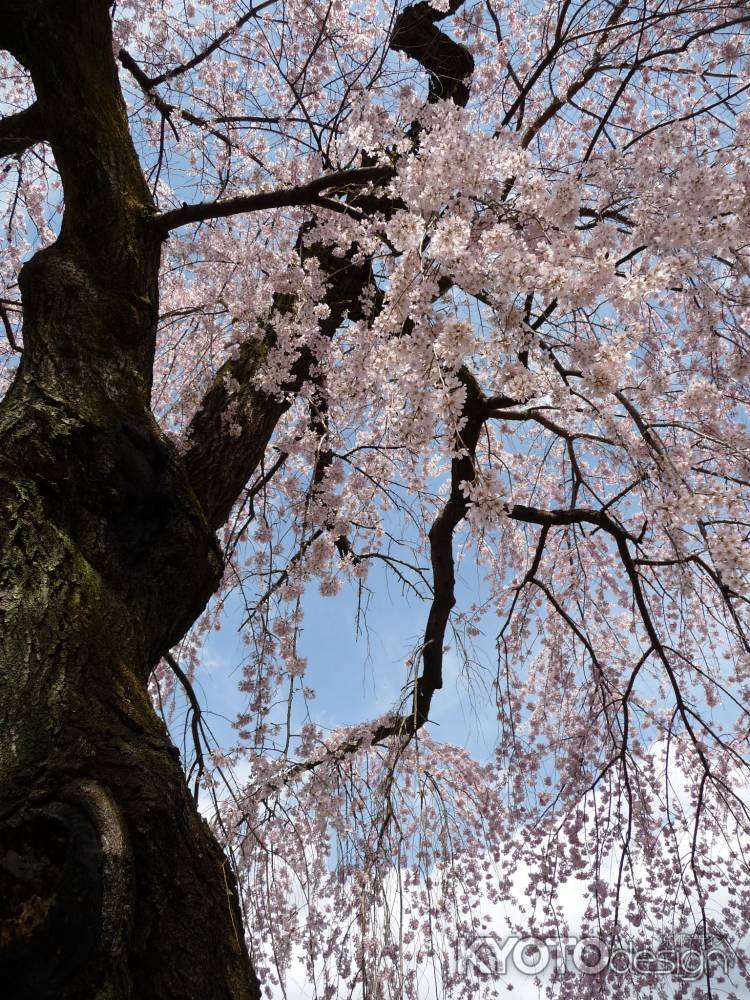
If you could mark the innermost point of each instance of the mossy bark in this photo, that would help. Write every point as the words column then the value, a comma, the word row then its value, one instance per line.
column 111, row 884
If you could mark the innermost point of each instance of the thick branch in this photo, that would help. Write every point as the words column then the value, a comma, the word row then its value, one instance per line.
column 220, row 460
column 449, row 66
column 448, row 63
column 21, row 131
column 441, row 546
column 475, row 412
column 301, row 194
column 576, row 515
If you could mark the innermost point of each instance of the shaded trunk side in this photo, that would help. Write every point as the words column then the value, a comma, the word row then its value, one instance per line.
column 111, row 884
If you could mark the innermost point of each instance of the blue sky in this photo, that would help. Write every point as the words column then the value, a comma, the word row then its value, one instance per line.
column 356, row 676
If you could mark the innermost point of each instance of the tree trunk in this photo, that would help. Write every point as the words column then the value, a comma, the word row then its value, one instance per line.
column 111, row 884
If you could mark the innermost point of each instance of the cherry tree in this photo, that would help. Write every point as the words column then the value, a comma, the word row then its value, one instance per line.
column 309, row 296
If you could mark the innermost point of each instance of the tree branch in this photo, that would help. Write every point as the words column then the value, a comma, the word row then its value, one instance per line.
column 21, row 131
column 475, row 413
column 576, row 515
column 302, row 194
column 8, row 327
column 448, row 63
column 204, row 54
column 219, row 463
column 199, row 764
column 220, row 460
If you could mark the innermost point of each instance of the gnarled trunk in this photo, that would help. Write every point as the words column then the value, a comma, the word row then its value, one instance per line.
column 111, row 884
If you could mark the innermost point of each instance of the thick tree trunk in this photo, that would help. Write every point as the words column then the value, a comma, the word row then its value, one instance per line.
column 111, row 885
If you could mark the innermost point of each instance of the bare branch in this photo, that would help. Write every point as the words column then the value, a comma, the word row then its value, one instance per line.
column 580, row 515
column 195, row 721
column 204, row 54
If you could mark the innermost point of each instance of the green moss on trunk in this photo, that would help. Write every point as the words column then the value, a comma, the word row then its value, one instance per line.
column 105, row 560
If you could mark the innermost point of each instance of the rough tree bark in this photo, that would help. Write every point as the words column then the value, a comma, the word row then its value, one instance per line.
column 111, row 884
